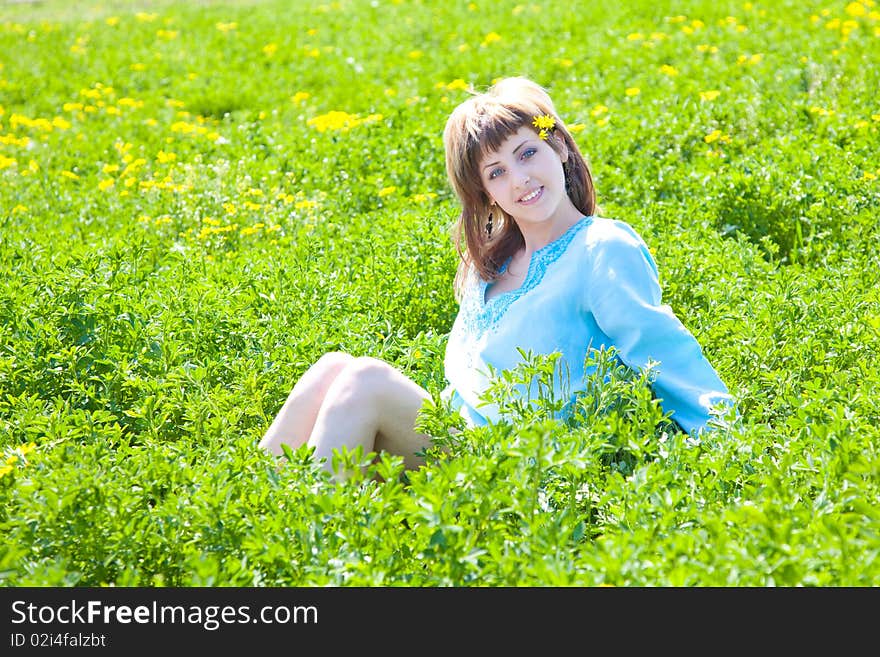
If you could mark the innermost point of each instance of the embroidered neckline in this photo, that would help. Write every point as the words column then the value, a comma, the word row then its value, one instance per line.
column 538, row 262
column 481, row 314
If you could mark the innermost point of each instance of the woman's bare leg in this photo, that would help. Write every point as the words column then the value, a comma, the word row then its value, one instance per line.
column 372, row 404
column 295, row 421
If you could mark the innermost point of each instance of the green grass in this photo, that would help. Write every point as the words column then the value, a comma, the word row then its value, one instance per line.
column 178, row 243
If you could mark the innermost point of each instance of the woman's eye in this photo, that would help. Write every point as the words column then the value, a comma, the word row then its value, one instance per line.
column 495, row 173
column 529, row 152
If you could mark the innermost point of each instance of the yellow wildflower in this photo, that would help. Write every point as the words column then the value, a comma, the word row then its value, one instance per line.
column 544, row 122
column 717, row 135
column 490, row 38
column 750, row 59
column 458, row 83
column 633, row 91
column 710, row 95
column 336, row 120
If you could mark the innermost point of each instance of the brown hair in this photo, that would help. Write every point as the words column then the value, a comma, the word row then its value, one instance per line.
column 478, row 126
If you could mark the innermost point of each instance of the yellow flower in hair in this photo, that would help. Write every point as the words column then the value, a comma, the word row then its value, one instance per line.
column 544, row 122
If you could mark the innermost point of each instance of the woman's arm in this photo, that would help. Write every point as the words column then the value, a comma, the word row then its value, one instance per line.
column 625, row 298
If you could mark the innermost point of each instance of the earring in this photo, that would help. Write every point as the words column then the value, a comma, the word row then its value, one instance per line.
column 489, row 225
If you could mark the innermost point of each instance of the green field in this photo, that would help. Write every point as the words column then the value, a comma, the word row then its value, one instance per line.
column 199, row 199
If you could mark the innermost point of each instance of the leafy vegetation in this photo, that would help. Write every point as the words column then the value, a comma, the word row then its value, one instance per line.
column 197, row 200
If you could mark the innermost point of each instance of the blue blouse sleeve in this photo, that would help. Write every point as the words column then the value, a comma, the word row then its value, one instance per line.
column 623, row 293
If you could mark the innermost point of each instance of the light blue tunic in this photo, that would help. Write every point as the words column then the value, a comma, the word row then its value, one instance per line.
column 597, row 287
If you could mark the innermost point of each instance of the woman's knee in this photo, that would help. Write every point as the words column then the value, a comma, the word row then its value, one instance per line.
column 366, row 372
column 323, row 372
column 364, row 378
column 333, row 362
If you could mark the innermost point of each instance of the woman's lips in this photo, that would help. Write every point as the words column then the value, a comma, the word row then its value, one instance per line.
column 532, row 196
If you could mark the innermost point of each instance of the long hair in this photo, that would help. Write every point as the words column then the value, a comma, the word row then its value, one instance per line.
column 477, row 127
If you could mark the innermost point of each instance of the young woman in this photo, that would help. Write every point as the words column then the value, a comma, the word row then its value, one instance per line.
column 539, row 272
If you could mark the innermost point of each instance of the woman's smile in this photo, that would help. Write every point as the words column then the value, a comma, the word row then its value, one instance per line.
column 532, row 197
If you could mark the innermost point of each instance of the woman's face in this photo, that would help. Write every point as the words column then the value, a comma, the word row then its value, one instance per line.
column 524, row 177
